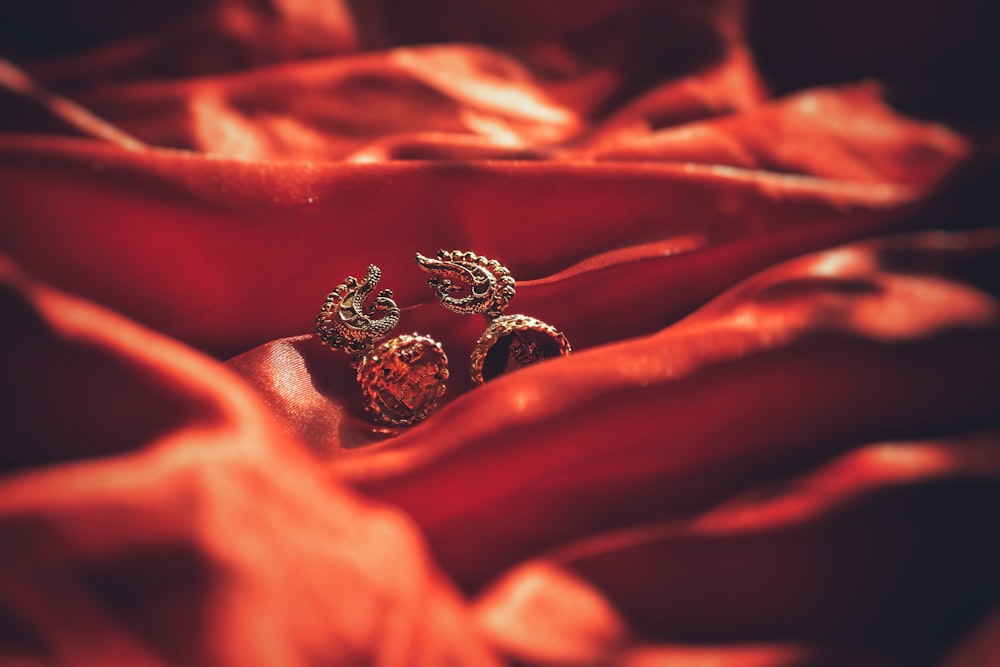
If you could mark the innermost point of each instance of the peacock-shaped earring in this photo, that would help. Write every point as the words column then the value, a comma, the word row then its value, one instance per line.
column 403, row 378
column 468, row 283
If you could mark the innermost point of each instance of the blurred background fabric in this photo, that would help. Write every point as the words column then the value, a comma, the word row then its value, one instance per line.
column 771, row 231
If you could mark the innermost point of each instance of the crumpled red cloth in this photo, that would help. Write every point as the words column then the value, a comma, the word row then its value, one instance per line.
column 768, row 229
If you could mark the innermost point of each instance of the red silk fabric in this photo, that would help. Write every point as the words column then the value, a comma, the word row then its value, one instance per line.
column 769, row 231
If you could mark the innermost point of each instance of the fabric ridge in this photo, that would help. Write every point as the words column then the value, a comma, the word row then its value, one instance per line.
column 769, row 229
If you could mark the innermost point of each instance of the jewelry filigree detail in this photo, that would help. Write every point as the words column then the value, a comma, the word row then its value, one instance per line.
column 467, row 283
column 343, row 324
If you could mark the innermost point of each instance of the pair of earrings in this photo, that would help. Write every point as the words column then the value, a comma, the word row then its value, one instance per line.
column 403, row 378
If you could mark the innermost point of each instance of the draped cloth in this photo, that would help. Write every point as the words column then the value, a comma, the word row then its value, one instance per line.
column 768, row 229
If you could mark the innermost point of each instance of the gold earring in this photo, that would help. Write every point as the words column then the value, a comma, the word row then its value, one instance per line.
column 468, row 283
column 403, row 378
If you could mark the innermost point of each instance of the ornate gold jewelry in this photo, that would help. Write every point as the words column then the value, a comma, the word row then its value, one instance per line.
column 403, row 378
column 468, row 283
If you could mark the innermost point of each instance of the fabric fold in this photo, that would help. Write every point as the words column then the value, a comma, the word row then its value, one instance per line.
column 769, row 231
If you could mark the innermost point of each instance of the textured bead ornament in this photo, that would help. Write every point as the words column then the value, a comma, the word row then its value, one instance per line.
column 511, row 342
column 403, row 379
